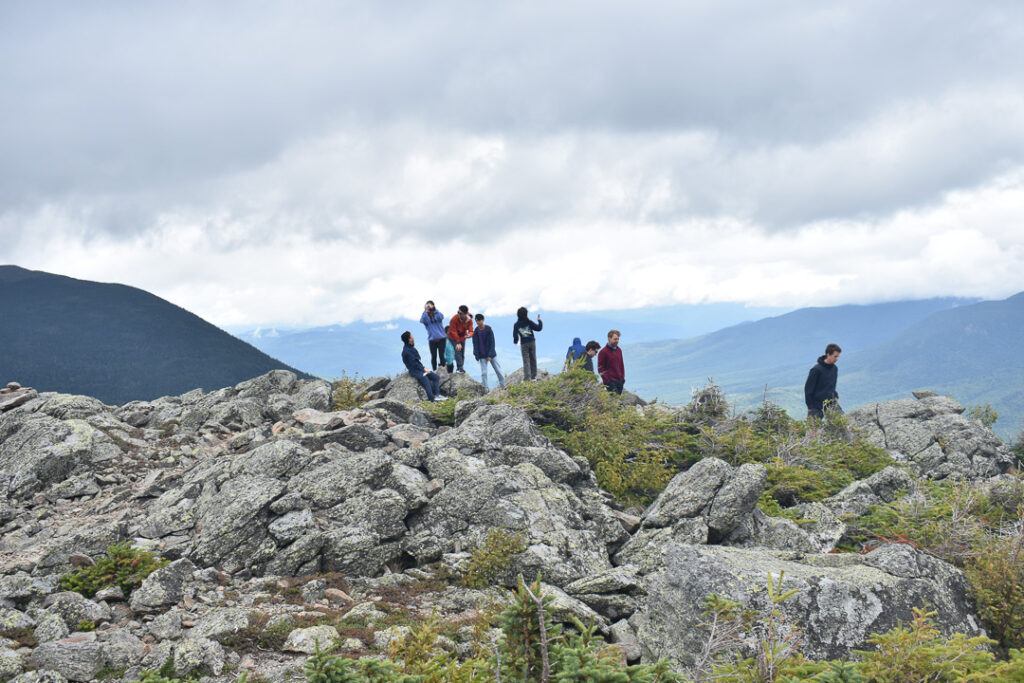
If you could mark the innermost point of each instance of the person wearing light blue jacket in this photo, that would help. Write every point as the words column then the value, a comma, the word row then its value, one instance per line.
column 433, row 320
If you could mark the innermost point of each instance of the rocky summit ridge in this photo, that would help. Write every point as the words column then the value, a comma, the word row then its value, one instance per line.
column 278, row 514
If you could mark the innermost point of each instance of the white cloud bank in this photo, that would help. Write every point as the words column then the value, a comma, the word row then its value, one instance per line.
column 263, row 166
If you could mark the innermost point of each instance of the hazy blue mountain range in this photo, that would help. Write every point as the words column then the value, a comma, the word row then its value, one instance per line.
column 111, row 341
column 964, row 348
column 375, row 348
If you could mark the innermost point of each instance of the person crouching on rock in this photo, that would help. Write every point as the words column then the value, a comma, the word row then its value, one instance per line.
column 430, row 382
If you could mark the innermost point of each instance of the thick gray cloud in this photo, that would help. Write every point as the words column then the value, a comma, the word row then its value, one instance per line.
column 406, row 124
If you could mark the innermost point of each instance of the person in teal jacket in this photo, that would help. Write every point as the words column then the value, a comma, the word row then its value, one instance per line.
column 449, row 353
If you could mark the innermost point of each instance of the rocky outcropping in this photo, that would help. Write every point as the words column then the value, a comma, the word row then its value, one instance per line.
column 930, row 435
column 249, row 486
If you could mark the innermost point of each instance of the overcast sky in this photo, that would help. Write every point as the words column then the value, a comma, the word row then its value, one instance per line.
column 320, row 162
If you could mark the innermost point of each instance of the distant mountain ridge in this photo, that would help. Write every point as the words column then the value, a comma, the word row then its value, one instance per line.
column 112, row 341
column 965, row 348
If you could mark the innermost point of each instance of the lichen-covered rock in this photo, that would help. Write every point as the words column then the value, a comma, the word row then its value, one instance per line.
column 220, row 622
column 40, row 676
column 198, row 654
column 122, row 648
column 50, row 626
column 881, row 487
column 560, row 543
column 162, row 588
column 233, row 523
column 13, row 620
column 933, row 438
column 841, row 598
column 462, row 384
column 20, row 586
column 11, row 664
column 37, row 450
column 406, row 389
column 308, row 639
column 78, row 658
column 400, row 411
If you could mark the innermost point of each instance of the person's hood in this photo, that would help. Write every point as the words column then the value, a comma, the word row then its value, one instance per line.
column 576, row 341
column 821, row 361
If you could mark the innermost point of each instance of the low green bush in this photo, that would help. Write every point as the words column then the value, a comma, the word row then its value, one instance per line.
column 493, row 557
column 531, row 648
column 348, row 391
column 122, row 566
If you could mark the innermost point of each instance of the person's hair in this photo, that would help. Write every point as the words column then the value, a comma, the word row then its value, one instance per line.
column 593, row 345
column 446, row 327
column 522, row 312
column 463, row 308
column 612, row 333
column 479, row 316
column 832, row 348
column 430, row 302
column 405, row 336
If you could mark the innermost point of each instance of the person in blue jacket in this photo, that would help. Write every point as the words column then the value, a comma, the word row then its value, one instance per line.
column 411, row 357
column 575, row 353
column 484, row 351
column 433, row 320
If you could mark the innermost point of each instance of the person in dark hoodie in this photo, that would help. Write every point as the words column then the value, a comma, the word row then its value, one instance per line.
column 484, row 351
column 820, row 387
column 522, row 334
column 411, row 357
column 574, row 354
column 590, row 350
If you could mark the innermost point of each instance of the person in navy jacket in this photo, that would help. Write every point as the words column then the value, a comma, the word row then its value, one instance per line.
column 430, row 382
column 484, row 351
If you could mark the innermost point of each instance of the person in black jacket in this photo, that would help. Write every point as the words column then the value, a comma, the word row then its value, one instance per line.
column 820, row 387
column 522, row 334
column 411, row 357
column 484, row 351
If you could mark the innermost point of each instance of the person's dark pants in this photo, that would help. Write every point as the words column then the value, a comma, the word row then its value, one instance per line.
column 816, row 412
column 431, row 384
column 614, row 387
column 437, row 352
column 460, row 357
column 529, row 351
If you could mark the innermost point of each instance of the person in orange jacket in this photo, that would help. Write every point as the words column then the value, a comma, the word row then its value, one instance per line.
column 460, row 328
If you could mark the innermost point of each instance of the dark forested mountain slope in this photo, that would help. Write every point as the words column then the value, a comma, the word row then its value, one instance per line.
column 111, row 341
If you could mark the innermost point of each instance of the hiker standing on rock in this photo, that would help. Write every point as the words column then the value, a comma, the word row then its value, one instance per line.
column 460, row 328
column 433, row 320
column 430, row 382
column 522, row 334
column 610, row 365
column 484, row 351
column 820, row 388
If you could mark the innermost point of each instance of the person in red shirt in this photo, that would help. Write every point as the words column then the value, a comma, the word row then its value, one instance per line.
column 460, row 328
column 609, row 364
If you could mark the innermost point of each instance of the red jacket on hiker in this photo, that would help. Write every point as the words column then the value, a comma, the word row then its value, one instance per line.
column 609, row 365
column 459, row 331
